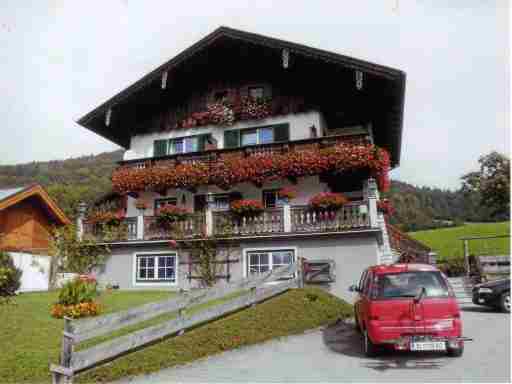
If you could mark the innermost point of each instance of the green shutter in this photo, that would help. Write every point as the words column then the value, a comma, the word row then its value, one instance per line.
column 282, row 132
column 232, row 138
column 160, row 148
column 202, row 140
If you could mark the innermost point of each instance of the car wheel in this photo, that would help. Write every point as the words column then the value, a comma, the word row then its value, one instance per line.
column 369, row 349
column 505, row 302
column 456, row 352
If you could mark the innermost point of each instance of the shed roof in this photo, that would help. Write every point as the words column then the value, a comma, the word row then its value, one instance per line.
column 12, row 196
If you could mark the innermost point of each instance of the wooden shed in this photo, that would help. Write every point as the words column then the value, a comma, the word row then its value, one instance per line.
column 27, row 215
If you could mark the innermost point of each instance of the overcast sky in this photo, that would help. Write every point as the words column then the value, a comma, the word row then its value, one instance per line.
column 60, row 59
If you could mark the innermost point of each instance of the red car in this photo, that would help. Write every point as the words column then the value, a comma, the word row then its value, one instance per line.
column 407, row 307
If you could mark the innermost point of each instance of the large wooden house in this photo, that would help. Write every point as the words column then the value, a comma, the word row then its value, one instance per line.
column 237, row 117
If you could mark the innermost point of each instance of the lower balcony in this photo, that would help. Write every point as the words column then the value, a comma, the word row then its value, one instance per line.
column 288, row 219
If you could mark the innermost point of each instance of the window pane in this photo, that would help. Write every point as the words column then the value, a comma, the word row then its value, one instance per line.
column 177, row 146
column 249, row 137
column 151, row 262
column 266, row 135
column 150, row 273
column 142, row 261
column 191, row 144
column 264, row 268
column 161, row 261
column 161, row 273
column 221, row 202
column 256, row 92
column 169, row 273
column 269, row 199
column 169, row 261
column 142, row 273
column 264, row 258
column 254, row 259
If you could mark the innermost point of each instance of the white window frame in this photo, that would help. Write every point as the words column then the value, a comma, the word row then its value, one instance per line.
column 157, row 282
column 184, row 139
column 247, row 251
column 258, row 139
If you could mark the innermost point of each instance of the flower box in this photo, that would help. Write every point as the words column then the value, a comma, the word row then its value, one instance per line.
column 327, row 201
column 247, row 208
column 170, row 214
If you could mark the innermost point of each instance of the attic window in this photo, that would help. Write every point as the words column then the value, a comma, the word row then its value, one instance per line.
column 256, row 92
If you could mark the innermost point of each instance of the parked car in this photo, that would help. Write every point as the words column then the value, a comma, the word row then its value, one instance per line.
column 494, row 294
column 407, row 307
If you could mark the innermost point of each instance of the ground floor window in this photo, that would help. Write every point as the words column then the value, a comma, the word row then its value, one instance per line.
column 155, row 268
column 263, row 261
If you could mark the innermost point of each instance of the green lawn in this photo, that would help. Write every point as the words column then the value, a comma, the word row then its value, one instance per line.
column 30, row 337
column 447, row 244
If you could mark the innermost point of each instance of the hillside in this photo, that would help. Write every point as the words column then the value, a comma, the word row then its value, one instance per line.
column 446, row 242
column 88, row 177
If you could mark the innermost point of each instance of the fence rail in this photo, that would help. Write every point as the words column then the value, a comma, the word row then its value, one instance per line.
column 350, row 216
column 270, row 221
column 72, row 362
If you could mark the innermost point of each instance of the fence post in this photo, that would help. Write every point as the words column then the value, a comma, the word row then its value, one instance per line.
column 300, row 272
column 466, row 256
column 65, row 355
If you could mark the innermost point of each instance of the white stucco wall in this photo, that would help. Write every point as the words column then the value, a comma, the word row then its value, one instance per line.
column 142, row 145
column 35, row 271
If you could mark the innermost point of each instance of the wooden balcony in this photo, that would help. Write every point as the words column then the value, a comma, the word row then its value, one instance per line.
column 212, row 155
column 290, row 220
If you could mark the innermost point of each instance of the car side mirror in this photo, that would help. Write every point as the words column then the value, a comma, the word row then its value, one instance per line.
column 353, row 288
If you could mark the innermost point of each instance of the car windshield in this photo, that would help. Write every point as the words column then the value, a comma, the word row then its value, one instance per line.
column 409, row 284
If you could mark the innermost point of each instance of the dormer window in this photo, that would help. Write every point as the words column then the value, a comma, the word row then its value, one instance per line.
column 256, row 92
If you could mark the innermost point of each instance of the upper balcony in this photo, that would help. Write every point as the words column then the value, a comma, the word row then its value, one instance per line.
column 329, row 156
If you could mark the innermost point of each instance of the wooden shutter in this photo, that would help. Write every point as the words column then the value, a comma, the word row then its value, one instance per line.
column 281, row 132
column 160, row 148
column 232, row 138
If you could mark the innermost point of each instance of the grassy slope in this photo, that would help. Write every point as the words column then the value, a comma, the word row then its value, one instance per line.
column 32, row 338
column 292, row 312
column 447, row 244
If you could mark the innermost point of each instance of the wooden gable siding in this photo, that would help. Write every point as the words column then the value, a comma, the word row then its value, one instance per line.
column 25, row 226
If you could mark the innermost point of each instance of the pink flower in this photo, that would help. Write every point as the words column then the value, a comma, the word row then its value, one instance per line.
column 173, row 243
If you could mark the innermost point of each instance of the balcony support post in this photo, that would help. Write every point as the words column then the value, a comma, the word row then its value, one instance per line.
column 82, row 209
column 209, row 215
column 140, row 225
column 372, row 194
column 287, row 217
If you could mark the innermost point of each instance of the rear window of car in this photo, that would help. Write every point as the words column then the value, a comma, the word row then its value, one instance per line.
column 409, row 284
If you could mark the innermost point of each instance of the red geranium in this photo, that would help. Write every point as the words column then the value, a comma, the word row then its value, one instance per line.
column 327, row 201
column 170, row 213
column 106, row 217
column 247, row 207
column 385, row 207
column 287, row 193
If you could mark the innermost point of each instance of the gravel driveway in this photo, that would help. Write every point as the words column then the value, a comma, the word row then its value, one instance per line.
column 333, row 354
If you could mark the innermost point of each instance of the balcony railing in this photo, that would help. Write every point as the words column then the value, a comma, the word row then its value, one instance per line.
column 350, row 216
column 286, row 219
column 193, row 226
column 270, row 221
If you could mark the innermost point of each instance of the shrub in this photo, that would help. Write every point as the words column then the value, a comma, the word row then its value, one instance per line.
column 76, row 298
column 10, row 276
column 246, row 207
column 78, row 291
column 106, row 217
column 170, row 214
column 327, row 201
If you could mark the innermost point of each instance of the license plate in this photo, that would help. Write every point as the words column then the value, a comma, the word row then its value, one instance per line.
column 428, row 346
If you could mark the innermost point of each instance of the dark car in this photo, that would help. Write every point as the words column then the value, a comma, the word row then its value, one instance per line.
column 493, row 294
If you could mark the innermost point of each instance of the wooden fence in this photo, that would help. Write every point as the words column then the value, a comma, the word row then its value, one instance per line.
column 76, row 331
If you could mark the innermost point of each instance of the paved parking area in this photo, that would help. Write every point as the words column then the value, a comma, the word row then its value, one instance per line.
column 333, row 355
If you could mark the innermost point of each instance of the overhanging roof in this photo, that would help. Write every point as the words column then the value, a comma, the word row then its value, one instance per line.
column 10, row 197
column 95, row 120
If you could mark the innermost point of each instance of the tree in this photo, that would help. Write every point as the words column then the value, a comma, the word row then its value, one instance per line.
column 10, row 276
column 73, row 254
column 491, row 182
